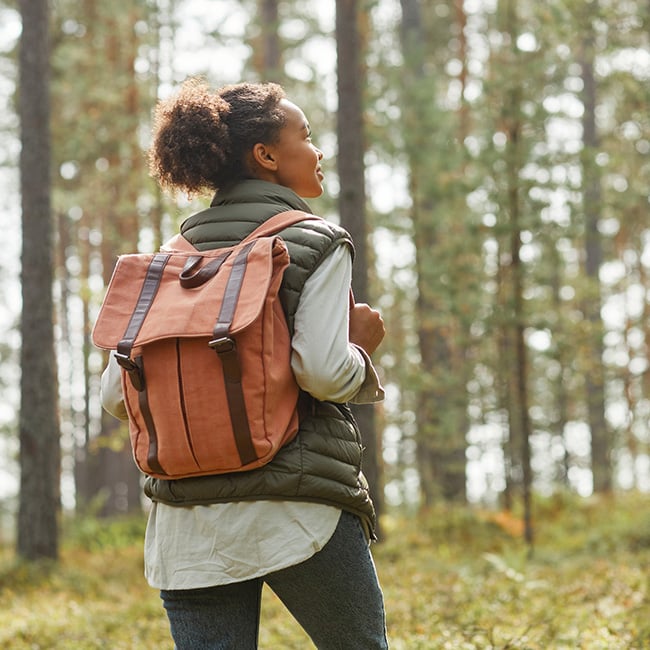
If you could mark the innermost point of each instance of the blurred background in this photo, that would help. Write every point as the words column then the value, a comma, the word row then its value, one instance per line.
column 500, row 207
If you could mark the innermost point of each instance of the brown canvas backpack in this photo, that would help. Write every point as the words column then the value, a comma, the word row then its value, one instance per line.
column 205, row 351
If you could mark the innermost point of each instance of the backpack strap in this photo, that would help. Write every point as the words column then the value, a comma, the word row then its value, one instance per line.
column 178, row 243
column 271, row 226
column 145, row 300
column 194, row 275
column 225, row 346
column 135, row 367
column 279, row 222
column 191, row 278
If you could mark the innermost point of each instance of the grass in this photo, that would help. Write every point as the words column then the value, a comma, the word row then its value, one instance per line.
column 457, row 579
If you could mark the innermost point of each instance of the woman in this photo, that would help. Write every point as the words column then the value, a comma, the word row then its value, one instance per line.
column 302, row 523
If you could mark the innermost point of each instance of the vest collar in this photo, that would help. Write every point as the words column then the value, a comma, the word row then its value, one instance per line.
column 256, row 191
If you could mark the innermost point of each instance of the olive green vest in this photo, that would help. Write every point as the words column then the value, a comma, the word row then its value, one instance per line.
column 323, row 463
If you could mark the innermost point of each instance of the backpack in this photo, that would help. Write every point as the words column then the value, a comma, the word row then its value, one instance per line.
column 205, row 353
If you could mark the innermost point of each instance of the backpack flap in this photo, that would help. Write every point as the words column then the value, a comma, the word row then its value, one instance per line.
column 177, row 311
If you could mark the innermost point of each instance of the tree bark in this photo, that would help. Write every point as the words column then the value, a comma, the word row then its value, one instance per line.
column 269, row 59
column 38, row 421
column 352, row 198
column 441, row 410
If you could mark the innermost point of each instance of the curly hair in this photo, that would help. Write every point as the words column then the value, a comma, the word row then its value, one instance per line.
column 201, row 138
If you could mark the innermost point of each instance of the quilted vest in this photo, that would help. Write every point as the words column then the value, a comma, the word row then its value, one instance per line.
column 323, row 463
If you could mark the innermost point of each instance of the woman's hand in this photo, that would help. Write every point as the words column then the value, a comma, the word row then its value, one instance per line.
column 366, row 327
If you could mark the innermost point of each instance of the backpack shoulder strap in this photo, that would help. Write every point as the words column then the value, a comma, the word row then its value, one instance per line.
column 279, row 222
column 178, row 243
column 271, row 226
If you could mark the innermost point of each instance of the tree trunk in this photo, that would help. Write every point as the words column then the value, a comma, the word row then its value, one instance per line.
column 594, row 375
column 38, row 422
column 107, row 474
column 559, row 393
column 441, row 410
column 519, row 418
column 352, row 198
column 520, row 421
column 267, row 51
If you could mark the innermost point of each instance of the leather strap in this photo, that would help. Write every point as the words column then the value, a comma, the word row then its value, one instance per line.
column 143, row 401
column 191, row 277
column 145, row 300
column 279, row 222
column 135, row 367
column 231, row 294
column 226, row 348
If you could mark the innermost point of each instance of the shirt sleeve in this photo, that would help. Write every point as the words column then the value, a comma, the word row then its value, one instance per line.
column 325, row 363
column 111, row 390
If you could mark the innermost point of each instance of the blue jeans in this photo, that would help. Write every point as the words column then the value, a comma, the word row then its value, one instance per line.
column 334, row 595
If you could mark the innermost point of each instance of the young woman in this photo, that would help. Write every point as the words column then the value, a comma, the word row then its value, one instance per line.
column 302, row 523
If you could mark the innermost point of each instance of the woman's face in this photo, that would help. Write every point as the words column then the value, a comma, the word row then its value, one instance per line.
column 296, row 159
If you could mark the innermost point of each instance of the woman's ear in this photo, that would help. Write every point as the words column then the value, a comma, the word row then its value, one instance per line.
column 264, row 156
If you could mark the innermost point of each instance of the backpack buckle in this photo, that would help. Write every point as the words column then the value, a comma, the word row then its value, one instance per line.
column 226, row 350
column 133, row 369
column 222, row 345
column 125, row 361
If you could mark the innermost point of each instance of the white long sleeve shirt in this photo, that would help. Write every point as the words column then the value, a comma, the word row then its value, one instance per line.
column 202, row 546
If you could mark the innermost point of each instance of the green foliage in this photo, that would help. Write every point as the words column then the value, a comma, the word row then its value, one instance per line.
column 456, row 578
column 595, row 526
column 88, row 601
column 453, row 579
column 98, row 534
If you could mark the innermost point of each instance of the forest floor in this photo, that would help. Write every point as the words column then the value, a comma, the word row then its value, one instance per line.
column 458, row 579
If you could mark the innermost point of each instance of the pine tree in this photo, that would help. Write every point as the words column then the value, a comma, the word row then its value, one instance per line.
column 39, row 425
column 446, row 248
column 103, row 198
column 352, row 196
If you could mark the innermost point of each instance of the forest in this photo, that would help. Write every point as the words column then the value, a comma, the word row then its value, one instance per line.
column 491, row 160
